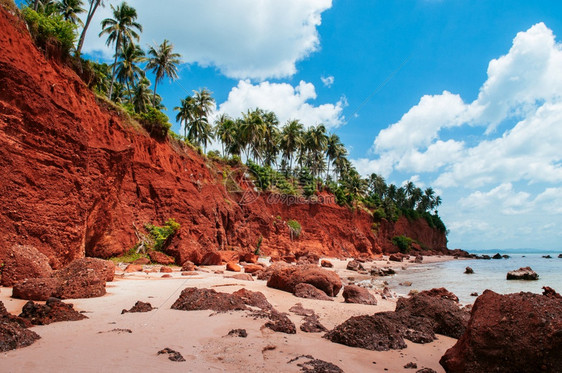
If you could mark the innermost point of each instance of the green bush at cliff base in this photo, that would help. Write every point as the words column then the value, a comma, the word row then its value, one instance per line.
column 404, row 243
column 160, row 235
column 45, row 28
column 294, row 228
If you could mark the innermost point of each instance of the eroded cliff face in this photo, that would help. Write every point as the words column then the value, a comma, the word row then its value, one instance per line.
column 76, row 180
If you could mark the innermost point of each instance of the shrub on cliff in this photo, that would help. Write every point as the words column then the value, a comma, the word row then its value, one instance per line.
column 295, row 228
column 155, row 122
column 404, row 243
column 46, row 29
column 160, row 235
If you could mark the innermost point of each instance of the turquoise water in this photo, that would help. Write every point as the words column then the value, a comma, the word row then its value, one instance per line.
column 488, row 274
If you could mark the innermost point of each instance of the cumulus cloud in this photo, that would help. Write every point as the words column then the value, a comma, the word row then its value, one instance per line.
column 327, row 81
column 286, row 101
column 523, row 87
column 257, row 39
column 504, row 195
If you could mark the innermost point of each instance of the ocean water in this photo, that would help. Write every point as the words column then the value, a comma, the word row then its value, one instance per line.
column 488, row 274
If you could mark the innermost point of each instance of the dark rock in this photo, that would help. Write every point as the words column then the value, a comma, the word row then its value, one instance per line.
column 547, row 256
column 298, row 309
column 36, row 288
column 559, row 256
column 509, row 333
column 160, row 258
column 497, row 256
column 53, row 311
column 485, row 257
column 505, row 256
column 288, row 278
column 382, row 271
column 550, row 292
column 172, row 354
column 523, row 273
column 193, row 299
column 24, row 262
column 396, row 258
column 474, row 294
column 354, row 265
column 439, row 307
column 312, row 325
column 238, row 333
column 418, row 259
column 411, row 365
column 139, row 307
column 326, row 264
column 356, row 294
column 313, row 365
column 80, row 282
column 374, row 332
column 468, row 271
column 279, row 322
column 308, row 291
column 13, row 335
column 426, row 370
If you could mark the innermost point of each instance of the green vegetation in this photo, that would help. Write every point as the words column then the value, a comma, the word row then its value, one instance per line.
column 404, row 243
column 129, row 257
column 258, row 246
column 295, row 228
column 159, row 236
column 50, row 28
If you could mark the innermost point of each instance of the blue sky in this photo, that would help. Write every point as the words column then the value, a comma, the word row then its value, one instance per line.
column 461, row 95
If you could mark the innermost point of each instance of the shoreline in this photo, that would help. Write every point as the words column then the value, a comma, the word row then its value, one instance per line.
column 200, row 336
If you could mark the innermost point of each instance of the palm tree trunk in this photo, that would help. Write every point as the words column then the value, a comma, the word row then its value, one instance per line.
column 154, row 95
column 35, row 5
column 93, row 6
column 113, row 75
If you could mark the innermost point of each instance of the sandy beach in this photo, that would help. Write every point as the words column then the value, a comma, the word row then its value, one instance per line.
column 103, row 342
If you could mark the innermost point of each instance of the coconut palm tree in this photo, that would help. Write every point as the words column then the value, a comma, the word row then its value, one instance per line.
column 186, row 113
column 271, row 138
column 333, row 148
column 225, row 131
column 120, row 31
column 94, row 4
column 291, row 140
column 316, row 143
column 70, row 9
column 128, row 71
column 142, row 95
column 163, row 62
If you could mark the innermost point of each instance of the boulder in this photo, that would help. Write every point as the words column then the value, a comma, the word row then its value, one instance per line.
column 36, row 288
column 194, row 299
column 356, row 294
column 253, row 298
column 165, row 269
column 133, row 268
column 354, row 265
column 13, row 334
column 242, row 333
column 233, row 267
column 375, row 271
column 559, row 256
column 139, row 307
column 249, row 258
column 242, row 276
column 287, row 278
column 52, row 311
column 253, row 268
column 468, row 271
column 497, row 256
column 326, row 264
column 523, row 273
column 188, row 266
column 312, row 325
column 304, row 290
column 371, row 332
column 443, row 313
column 396, row 258
column 211, row 258
column 142, row 261
column 104, row 269
column 80, row 283
column 24, row 262
column 547, row 256
column 510, row 333
column 160, row 258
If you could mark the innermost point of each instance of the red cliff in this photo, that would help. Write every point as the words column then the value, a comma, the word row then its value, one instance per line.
column 76, row 178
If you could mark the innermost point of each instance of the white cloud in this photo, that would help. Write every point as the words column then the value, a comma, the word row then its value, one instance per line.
column 503, row 196
column 523, row 86
column 286, row 101
column 255, row 39
column 327, row 81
